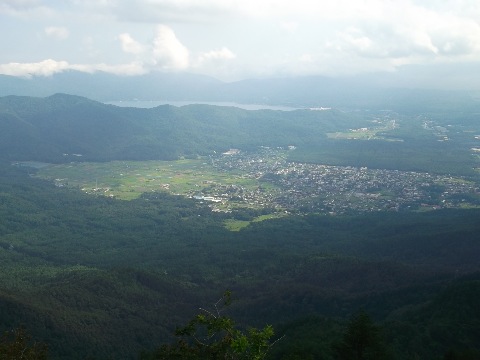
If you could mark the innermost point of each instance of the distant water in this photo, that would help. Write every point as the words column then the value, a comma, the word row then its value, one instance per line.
column 152, row 104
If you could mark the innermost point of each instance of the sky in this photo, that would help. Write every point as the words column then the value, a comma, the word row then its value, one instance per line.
column 239, row 39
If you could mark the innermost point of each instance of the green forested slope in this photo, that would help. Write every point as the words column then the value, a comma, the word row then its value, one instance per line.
column 46, row 129
column 99, row 277
column 64, row 128
column 96, row 276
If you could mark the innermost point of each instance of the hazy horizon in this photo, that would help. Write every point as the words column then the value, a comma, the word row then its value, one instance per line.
column 410, row 43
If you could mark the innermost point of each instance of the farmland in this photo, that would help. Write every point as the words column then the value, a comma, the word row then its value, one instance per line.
column 267, row 180
column 127, row 180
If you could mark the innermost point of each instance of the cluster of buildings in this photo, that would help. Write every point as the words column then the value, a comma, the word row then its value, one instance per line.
column 301, row 187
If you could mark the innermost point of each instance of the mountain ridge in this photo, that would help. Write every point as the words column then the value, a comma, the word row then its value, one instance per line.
column 306, row 91
column 69, row 124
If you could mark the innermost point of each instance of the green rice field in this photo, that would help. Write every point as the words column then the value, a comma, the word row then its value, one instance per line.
column 127, row 180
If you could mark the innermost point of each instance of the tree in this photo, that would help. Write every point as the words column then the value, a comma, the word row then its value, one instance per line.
column 210, row 335
column 16, row 345
column 470, row 354
column 361, row 341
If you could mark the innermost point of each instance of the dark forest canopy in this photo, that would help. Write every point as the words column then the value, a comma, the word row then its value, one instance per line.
column 98, row 277
column 92, row 276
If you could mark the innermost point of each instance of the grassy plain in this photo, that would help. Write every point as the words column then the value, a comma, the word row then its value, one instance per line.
column 366, row 133
column 127, row 180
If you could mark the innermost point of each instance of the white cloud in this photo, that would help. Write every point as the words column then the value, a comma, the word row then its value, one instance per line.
column 60, row 33
column 19, row 4
column 50, row 67
column 133, row 68
column 43, row 68
column 306, row 58
column 168, row 11
column 130, row 45
column 460, row 37
column 290, row 26
column 420, row 35
column 214, row 55
column 168, row 52
column 269, row 37
column 24, row 9
column 217, row 63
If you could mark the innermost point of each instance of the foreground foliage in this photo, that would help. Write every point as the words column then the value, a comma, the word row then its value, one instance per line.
column 99, row 278
column 17, row 345
column 361, row 341
column 211, row 335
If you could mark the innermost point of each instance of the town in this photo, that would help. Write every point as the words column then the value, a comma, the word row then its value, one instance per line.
column 301, row 187
column 265, row 179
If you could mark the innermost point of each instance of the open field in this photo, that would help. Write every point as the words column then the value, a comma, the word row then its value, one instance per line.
column 127, row 180
column 265, row 181
column 367, row 133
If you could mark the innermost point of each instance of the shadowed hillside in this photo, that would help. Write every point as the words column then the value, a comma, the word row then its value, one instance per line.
column 45, row 129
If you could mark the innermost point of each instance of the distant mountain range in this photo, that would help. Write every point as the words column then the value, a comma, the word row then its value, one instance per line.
column 97, row 277
column 64, row 127
column 310, row 91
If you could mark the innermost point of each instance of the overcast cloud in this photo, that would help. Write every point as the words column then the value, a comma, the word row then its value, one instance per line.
column 232, row 39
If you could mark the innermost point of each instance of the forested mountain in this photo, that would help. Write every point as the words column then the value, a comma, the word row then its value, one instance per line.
column 97, row 277
column 45, row 129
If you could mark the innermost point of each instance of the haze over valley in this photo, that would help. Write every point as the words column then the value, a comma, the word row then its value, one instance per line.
column 244, row 180
column 358, row 206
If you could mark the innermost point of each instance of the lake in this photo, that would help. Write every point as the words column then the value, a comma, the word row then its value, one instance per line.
column 155, row 103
